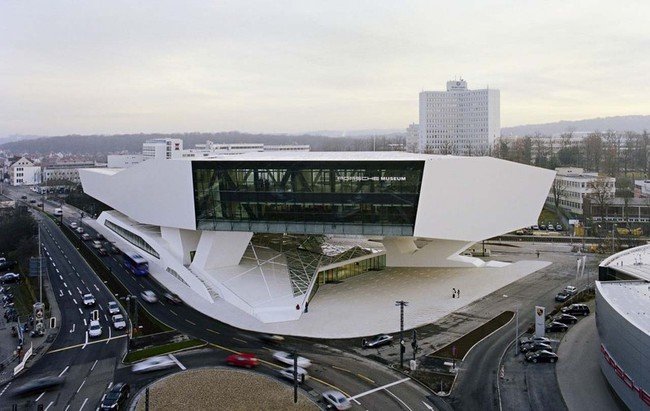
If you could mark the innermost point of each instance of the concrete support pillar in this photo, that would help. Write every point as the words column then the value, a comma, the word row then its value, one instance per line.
column 403, row 252
column 220, row 249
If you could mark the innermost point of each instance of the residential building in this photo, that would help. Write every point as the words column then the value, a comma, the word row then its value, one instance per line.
column 459, row 121
column 249, row 229
column 23, row 171
column 162, row 148
column 123, row 160
column 572, row 185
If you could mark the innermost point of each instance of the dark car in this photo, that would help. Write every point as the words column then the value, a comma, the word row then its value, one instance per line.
column 23, row 197
column 172, row 298
column 562, row 297
column 576, row 309
column 376, row 341
column 541, row 356
column 116, row 397
column 102, row 251
column 39, row 384
column 10, row 277
column 556, row 327
column 565, row 319
column 535, row 346
column 100, row 236
column 32, row 201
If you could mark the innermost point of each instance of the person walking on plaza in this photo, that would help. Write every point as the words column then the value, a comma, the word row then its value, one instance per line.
column 453, row 293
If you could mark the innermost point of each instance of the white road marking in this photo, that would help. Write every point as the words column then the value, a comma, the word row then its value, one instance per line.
column 100, row 307
column 61, row 277
column 94, row 364
column 70, row 292
column 75, row 302
column 57, row 270
column 106, row 316
column 65, row 285
column 181, row 366
column 363, row 394
column 53, row 264
column 72, row 330
column 65, row 369
column 400, row 400
column 109, row 334
column 40, row 396
column 96, row 287
column 61, row 292
column 85, row 323
column 82, row 384
column 430, row 408
column 79, row 291
column 49, row 405
column 85, row 344
column 5, row 388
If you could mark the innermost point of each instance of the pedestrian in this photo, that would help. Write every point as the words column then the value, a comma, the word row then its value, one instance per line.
column 453, row 292
column 537, row 253
column 458, row 293
column 307, row 307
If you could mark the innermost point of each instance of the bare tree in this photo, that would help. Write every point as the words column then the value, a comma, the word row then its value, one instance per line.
column 558, row 191
column 593, row 146
column 601, row 193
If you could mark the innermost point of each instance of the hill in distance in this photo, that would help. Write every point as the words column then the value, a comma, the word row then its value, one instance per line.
column 618, row 123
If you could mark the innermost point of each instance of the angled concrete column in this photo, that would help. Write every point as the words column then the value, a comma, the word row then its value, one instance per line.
column 403, row 252
column 220, row 249
column 181, row 242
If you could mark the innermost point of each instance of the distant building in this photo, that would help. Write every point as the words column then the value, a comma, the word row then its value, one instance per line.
column 573, row 185
column 632, row 212
column 412, row 137
column 65, row 172
column 210, row 149
column 459, row 121
column 641, row 188
column 124, row 160
column 162, row 148
column 23, row 172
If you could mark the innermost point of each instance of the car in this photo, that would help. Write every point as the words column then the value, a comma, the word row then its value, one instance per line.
column 542, row 226
column 172, row 298
column 89, row 300
column 85, row 236
column 555, row 326
column 528, row 340
column 80, row 230
column 39, row 205
column 149, row 296
column 271, row 339
column 114, row 250
column 535, row 346
column 102, row 251
column 559, row 227
column 100, row 236
column 116, row 397
column 160, row 362
column 562, row 296
column 541, row 356
column 288, row 374
column 377, row 341
column 550, row 227
column 565, row 318
column 32, row 201
column 571, row 290
column 10, row 277
column 39, row 384
column 23, row 197
column 288, row 358
column 6, row 264
column 97, row 244
column 118, row 322
column 58, row 212
column 94, row 329
column 74, row 225
column 535, row 227
column 337, row 400
column 242, row 360
column 113, row 308
column 576, row 309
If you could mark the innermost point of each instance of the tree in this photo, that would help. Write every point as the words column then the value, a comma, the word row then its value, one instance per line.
column 593, row 151
column 558, row 191
column 601, row 192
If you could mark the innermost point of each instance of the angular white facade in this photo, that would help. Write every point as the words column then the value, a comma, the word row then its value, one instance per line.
column 197, row 217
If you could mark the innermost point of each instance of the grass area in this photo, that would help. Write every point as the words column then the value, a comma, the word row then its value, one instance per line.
column 138, row 355
column 467, row 341
column 547, row 215
column 438, row 382
column 148, row 324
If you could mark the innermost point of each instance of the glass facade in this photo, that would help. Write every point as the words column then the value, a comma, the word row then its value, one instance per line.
column 309, row 197
column 132, row 238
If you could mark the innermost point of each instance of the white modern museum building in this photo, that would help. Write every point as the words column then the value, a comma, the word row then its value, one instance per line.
column 262, row 233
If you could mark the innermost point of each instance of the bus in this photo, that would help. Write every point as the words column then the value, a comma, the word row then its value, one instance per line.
column 136, row 264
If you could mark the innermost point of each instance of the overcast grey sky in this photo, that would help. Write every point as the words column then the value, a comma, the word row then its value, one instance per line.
column 276, row 66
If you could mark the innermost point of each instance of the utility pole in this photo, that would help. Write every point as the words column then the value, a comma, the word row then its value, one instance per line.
column 517, row 331
column 295, row 377
column 40, row 265
column 401, row 304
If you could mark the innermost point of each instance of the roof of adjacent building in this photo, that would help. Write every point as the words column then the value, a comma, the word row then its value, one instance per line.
column 328, row 156
column 631, row 299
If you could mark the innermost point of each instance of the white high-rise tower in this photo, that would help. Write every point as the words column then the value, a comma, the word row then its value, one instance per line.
column 459, row 121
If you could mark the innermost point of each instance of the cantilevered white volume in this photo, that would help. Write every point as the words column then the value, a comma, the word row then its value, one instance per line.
column 194, row 219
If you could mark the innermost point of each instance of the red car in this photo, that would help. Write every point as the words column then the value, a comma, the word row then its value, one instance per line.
column 242, row 360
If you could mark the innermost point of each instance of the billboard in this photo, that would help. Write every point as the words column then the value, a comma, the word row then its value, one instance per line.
column 539, row 321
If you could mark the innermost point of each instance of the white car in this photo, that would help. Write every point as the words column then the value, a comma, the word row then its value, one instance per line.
column 113, row 308
column 118, row 322
column 97, row 244
column 288, row 374
column 287, row 358
column 94, row 329
column 337, row 400
column 571, row 290
column 89, row 300
column 149, row 296
column 74, row 225
column 153, row 364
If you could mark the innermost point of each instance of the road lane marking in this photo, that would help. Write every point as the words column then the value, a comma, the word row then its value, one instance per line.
column 190, row 322
column 79, row 291
column 61, row 277
column 109, row 334
column 84, row 344
column 72, row 330
column 106, row 316
column 65, row 285
column 82, row 384
column 96, row 288
column 94, row 364
column 40, row 396
column 240, row 340
column 57, row 270
column 430, row 408
column 75, row 302
column 100, row 307
column 81, row 312
column 400, row 400
column 85, row 323
column 70, row 292
column 173, row 312
column 5, row 388
column 49, row 405
column 65, row 369
column 61, row 292
column 365, row 378
column 181, row 366
column 212, row 331
column 383, row 387
column 340, row 369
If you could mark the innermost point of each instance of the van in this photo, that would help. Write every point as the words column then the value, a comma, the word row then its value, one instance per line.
column 58, row 212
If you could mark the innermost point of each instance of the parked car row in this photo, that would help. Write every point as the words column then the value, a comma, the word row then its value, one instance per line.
column 548, row 227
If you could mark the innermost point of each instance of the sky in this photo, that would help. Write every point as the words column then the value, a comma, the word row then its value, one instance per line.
column 91, row 67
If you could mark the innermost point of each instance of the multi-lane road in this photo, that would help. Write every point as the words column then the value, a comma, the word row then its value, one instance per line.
column 90, row 366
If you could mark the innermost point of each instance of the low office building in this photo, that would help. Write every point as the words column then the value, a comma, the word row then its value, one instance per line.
column 123, row 160
column 572, row 185
column 263, row 230
column 162, row 148
column 623, row 321
column 65, row 172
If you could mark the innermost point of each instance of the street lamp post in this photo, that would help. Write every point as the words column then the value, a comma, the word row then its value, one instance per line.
column 613, row 228
column 401, row 304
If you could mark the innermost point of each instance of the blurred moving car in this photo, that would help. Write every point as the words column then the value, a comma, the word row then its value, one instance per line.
column 102, row 251
column 541, row 356
column 556, row 327
column 337, row 400
column 376, row 341
column 89, row 300
column 118, row 322
column 84, row 236
column 97, row 244
column 172, row 298
column 288, row 374
column 39, row 384
column 527, row 340
column 535, row 346
column 80, row 230
column 565, row 319
column 576, row 309
column 116, row 397
column 288, row 358
column 113, row 308
column 271, row 338
column 242, row 360
column 94, row 329
column 149, row 296
column 160, row 362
